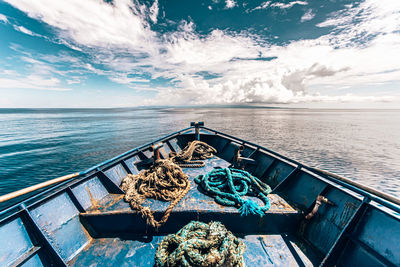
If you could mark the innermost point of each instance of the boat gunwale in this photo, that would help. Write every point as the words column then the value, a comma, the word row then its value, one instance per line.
column 387, row 203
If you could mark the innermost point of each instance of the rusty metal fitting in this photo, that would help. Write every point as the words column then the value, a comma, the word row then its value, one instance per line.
column 239, row 162
column 318, row 202
column 197, row 125
column 156, row 150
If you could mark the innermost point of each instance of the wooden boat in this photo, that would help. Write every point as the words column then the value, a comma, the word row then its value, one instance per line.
column 316, row 218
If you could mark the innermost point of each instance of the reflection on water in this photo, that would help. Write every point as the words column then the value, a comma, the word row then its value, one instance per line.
column 36, row 145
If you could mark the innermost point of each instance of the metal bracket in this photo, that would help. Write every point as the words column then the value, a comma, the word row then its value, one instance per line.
column 197, row 125
column 145, row 163
column 156, row 150
column 318, row 202
column 240, row 162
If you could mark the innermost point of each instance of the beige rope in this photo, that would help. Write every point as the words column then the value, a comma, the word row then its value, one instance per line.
column 192, row 154
column 163, row 181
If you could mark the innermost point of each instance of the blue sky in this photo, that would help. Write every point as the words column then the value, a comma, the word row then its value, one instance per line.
column 121, row 53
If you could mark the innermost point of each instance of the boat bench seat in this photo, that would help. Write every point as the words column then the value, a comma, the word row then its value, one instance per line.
column 261, row 250
column 113, row 215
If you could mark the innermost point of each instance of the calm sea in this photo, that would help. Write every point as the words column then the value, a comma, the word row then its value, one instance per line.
column 37, row 145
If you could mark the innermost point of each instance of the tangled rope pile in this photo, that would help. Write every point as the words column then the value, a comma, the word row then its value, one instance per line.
column 200, row 244
column 192, row 154
column 163, row 181
column 228, row 186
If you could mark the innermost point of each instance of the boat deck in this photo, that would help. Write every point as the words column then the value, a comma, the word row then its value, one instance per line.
column 261, row 250
column 193, row 201
column 194, row 206
column 132, row 242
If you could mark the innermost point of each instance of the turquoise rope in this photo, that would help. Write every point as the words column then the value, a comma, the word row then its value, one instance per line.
column 228, row 186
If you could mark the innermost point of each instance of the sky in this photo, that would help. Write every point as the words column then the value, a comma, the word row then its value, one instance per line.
column 125, row 53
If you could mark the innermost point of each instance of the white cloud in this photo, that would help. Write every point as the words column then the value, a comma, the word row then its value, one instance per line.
column 119, row 37
column 39, row 76
column 288, row 5
column 263, row 5
column 309, row 15
column 93, row 23
column 42, row 72
column 197, row 54
column 124, row 79
column 154, row 11
column 3, row 18
column 24, row 30
column 73, row 82
column 370, row 17
column 230, row 4
column 32, row 82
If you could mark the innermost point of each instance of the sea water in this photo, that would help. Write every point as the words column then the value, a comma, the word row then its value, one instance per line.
column 40, row 144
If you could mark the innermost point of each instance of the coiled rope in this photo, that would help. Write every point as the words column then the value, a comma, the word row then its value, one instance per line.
column 200, row 244
column 192, row 154
column 228, row 186
column 163, row 181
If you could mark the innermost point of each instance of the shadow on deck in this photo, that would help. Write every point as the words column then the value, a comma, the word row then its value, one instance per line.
column 261, row 250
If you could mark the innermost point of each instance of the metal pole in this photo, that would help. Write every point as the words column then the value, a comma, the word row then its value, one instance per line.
column 156, row 150
column 197, row 125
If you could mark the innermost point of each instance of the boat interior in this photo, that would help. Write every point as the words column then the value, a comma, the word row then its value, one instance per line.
column 87, row 222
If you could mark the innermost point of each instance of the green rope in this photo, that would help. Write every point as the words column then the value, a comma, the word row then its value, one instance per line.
column 228, row 186
column 201, row 244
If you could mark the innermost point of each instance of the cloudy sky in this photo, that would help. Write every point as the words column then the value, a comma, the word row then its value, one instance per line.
column 119, row 53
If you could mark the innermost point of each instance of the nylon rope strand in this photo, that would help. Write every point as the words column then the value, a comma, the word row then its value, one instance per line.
column 228, row 187
column 193, row 154
column 164, row 180
column 201, row 244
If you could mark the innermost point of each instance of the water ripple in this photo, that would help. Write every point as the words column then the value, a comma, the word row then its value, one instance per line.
column 36, row 145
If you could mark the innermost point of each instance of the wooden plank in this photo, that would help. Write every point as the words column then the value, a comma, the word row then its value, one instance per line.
column 36, row 187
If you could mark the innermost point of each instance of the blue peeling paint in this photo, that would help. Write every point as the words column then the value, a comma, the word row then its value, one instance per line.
column 116, row 174
column 14, row 241
column 33, row 262
column 90, row 191
column 60, row 223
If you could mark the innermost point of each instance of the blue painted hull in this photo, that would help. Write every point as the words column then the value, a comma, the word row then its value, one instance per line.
column 86, row 222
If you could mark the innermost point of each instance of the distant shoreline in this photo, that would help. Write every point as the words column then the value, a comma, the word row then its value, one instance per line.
column 6, row 110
